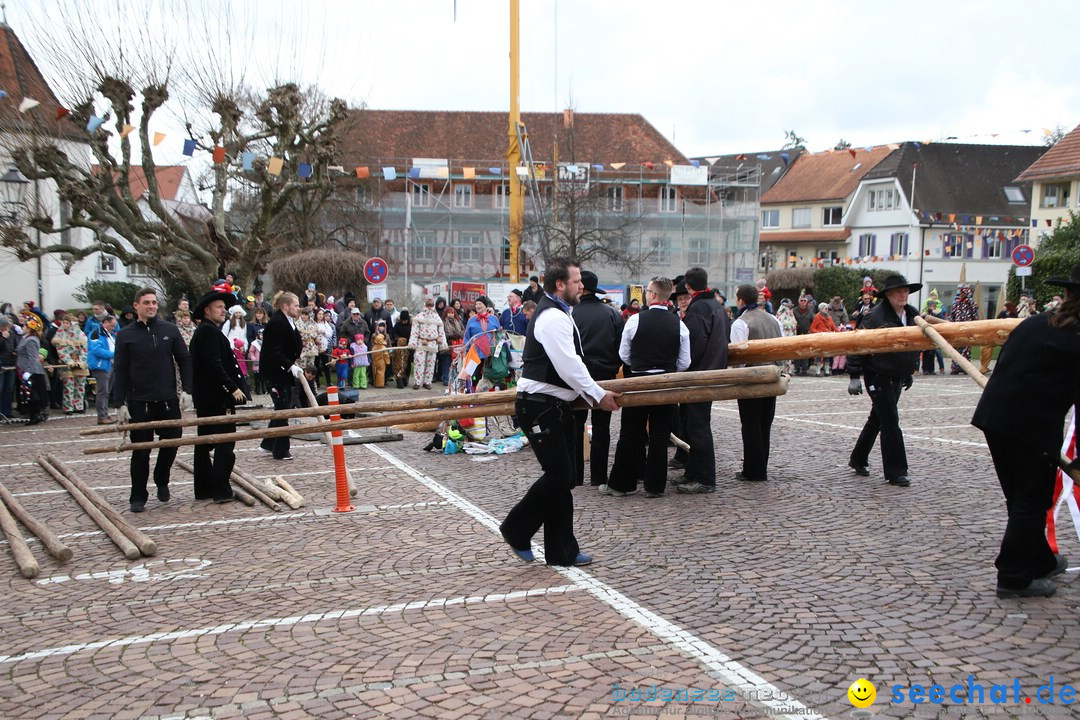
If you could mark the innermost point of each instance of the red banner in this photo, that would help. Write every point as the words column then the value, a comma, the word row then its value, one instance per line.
column 467, row 292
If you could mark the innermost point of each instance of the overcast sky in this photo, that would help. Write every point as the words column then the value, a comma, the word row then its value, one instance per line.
column 714, row 77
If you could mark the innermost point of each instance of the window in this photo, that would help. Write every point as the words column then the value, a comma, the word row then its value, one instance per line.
column 1014, row 195
column 65, row 219
column 615, row 198
column 883, row 199
column 421, row 195
column 770, row 218
column 955, row 245
column 829, row 257
column 669, row 198
column 898, row 244
column 501, row 198
column 697, row 251
column 660, row 251
column 992, row 246
column 106, row 263
column 866, row 245
column 832, row 216
column 1054, row 196
column 422, row 249
column 463, row 196
column 470, row 248
column 800, row 217
column 138, row 270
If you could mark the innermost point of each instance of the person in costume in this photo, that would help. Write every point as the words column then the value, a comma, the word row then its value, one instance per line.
column 963, row 310
column 71, row 349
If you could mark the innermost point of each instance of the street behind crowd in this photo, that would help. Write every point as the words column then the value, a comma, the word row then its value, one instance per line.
column 776, row 595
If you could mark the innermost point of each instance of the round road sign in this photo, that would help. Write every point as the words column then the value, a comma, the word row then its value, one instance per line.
column 1023, row 255
column 375, row 270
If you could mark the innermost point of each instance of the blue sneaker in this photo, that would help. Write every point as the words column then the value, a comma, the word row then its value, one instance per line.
column 581, row 559
column 525, row 556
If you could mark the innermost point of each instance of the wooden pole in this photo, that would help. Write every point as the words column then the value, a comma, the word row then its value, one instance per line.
column 240, row 494
column 251, row 487
column 146, row 546
column 290, row 489
column 666, row 397
column 679, row 442
column 28, row 565
column 126, row 546
column 51, row 543
column 329, row 439
column 729, row 376
column 869, row 342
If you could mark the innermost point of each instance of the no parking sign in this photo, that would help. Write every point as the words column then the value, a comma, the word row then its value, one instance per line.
column 376, row 271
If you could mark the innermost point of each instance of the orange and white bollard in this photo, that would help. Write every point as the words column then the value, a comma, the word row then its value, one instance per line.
column 338, row 444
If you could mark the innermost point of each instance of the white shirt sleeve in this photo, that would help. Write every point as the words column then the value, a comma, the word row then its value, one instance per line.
column 628, row 332
column 684, row 348
column 740, row 331
column 555, row 331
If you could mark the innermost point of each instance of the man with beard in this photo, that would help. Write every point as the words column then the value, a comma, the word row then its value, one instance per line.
column 218, row 389
column 553, row 376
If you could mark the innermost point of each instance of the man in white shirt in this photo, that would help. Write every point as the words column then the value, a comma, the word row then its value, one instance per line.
column 553, row 376
column 755, row 414
column 654, row 341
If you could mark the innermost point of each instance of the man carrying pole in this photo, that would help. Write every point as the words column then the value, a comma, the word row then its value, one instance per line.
column 281, row 348
column 553, row 375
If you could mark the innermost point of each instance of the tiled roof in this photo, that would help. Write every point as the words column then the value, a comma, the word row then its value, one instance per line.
column 961, row 178
column 370, row 135
column 808, row 236
column 1062, row 160
column 773, row 166
column 20, row 78
column 831, row 175
column 168, row 177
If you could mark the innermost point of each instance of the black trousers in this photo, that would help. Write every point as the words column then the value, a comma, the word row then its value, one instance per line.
column 140, row 459
column 884, row 418
column 1027, row 481
column 756, row 416
column 700, row 462
column 598, row 447
column 212, row 476
column 548, row 424
column 643, row 442
column 281, row 395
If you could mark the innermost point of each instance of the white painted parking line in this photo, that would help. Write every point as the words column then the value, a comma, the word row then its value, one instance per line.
column 283, row 622
column 721, row 665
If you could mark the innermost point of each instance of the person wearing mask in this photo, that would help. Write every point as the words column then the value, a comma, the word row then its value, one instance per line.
column 755, row 414
column 600, row 327
column 653, row 342
column 886, row 376
column 148, row 353
column 9, row 343
column 1037, row 378
column 710, row 329
column 218, row 387
column 553, row 376
column 280, row 351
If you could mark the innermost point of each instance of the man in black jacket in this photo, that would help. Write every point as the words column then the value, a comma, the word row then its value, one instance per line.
column 886, row 376
column 376, row 313
column 600, row 327
column 148, row 351
column 280, row 350
column 709, row 327
column 218, row 389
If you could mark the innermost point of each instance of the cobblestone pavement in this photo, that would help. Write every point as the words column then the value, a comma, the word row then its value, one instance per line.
column 769, row 598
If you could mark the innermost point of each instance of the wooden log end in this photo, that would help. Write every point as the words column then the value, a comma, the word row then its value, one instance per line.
column 30, row 569
column 63, row 554
column 148, row 548
column 132, row 553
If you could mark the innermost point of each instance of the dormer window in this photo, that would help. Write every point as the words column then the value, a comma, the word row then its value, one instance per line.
column 1014, row 194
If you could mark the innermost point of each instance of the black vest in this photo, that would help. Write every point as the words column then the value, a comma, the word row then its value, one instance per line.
column 535, row 364
column 656, row 343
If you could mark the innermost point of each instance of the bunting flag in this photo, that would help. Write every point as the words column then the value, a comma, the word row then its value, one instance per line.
column 764, row 157
column 414, row 173
column 126, row 130
column 248, row 159
column 389, row 173
column 189, row 147
column 495, row 170
column 669, row 163
column 274, row 168
column 618, row 166
column 695, row 163
column 219, row 154
column 305, row 170
column 851, row 152
column 28, row 104
column 600, row 168
column 1066, row 492
column 952, row 217
column 740, row 158
column 978, row 219
column 648, row 165
column 62, row 112
column 3, row 94
column 335, row 170
column 468, row 173
column 158, row 137
column 94, row 123
column 785, row 158
column 363, row 171
column 472, row 361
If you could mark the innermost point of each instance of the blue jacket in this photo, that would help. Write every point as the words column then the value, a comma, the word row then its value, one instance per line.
column 514, row 323
column 98, row 354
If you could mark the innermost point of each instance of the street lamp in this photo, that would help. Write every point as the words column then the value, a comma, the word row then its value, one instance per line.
column 12, row 190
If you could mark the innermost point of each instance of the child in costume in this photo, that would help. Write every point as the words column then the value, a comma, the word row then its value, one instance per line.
column 380, row 359
column 341, row 361
column 360, row 362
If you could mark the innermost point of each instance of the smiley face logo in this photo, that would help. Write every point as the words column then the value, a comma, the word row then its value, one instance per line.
column 862, row 693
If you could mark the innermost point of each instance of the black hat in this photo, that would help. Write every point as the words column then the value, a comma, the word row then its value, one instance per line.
column 205, row 300
column 589, row 280
column 894, row 282
column 1072, row 282
column 680, row 289
column 534, row 278
column 518, row 292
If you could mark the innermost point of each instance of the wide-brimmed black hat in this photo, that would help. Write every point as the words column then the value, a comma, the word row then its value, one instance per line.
column 1072, row 282
column 589, row 280
column 894, row 282
column 679, row 289
column 205, row 300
